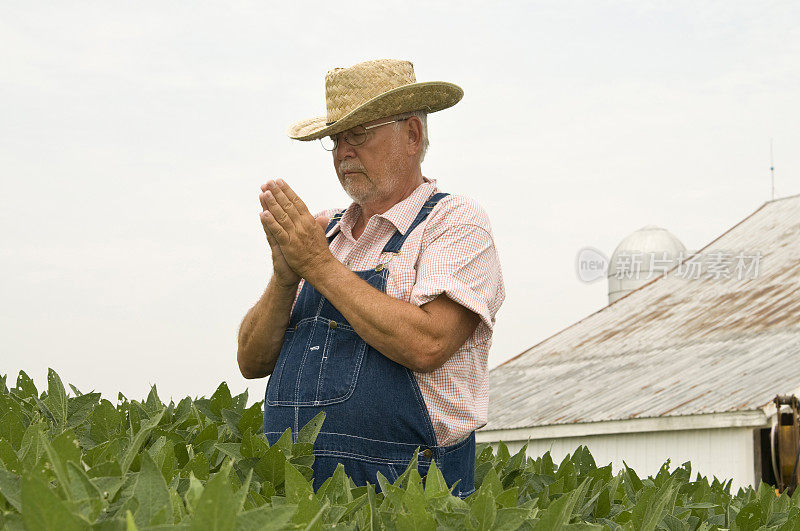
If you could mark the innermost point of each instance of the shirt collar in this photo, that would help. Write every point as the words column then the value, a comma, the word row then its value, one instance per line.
column 403, row 213
column 400, row 215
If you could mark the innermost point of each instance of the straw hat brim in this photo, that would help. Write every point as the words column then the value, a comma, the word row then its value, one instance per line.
column 430, row 96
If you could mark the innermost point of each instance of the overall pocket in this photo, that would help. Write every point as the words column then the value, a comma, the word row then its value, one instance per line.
column 318, row 365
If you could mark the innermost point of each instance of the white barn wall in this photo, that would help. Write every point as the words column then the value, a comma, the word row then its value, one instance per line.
column 726, row 453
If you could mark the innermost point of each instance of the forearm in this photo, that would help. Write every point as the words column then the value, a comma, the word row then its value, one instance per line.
column 262, row 330
column 401, row 331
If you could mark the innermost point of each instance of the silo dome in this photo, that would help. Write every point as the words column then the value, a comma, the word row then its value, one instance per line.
column 640, row 257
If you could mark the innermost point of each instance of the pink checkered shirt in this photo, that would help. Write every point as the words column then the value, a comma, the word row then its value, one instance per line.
column 451, row 252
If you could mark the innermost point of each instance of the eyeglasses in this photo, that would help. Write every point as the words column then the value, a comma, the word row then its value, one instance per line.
column 355, row 136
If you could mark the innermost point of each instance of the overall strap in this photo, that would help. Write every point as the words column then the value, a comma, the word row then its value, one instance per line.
column 396, row 242
column 334, row 220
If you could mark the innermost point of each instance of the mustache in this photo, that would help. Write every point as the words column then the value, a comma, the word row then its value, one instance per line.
column 350, row 165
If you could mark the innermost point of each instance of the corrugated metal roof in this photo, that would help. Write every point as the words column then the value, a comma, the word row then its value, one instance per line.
column 676, row 346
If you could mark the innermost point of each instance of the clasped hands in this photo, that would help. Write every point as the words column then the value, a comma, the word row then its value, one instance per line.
column 296, row 238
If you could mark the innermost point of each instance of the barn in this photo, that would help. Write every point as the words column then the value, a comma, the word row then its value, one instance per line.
column 684, row 368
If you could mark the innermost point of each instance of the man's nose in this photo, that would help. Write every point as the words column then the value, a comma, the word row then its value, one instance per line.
column 343, row 150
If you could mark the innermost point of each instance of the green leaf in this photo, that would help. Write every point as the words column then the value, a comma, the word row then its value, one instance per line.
column 517, row 461
column 166, row 461
column 414, row 497
column 239, row 401
column 221, row 399
column 25, row 386
column 193, row 493
column 603, row 507
column 508, row 498
column 61, row 450
column 700, row 505
column 631, row 482
column 241, row 496
column 502, row 453
column 509, row 519
column 309, row 514
column 179, row 510
column 153, row 404
column 749, row 517
column 271, row 467
column 359, row 503
column 402, row 480
column 218, row 505
column 67, row 447
column 105, row 469
column 766, row 499
column 655, row 511
column 56, row 400
column 491, row 483
column 155, row 506
column 31, row 446
column 567, row 472
column 302, row 450
column 671, row 523
column 336, row 488
column 265, row 518
column 559, row 512
column 104, row 422
column 435, row 483
column 209, row 433
column 481, row 470
column 252, row 419
column 81, row 486
column 372, row 506
column 231, row 418
column 12, row 426
column 418, row 519
column 43, row 510
column 198, row 466
column 308, row 433
column 8, row 457
column 9, row 488
column 483, row 509
column 285, row 442
column 138, row 440
column 297, row 487
column 130, row 523
column 231, row 449
column 181, row 453
column 253, row 445
column 584, row 462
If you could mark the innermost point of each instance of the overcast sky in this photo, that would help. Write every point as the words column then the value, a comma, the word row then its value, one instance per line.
column 134, row 138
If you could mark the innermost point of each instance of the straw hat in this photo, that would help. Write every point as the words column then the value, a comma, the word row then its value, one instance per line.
column 372, row 90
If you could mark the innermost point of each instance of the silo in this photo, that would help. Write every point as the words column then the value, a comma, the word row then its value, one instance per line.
column 640, row 257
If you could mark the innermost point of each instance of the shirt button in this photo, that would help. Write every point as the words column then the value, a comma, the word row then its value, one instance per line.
column 427, row 453
column 333, row 324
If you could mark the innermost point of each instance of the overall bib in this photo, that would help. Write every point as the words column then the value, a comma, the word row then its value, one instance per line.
column 375, row 414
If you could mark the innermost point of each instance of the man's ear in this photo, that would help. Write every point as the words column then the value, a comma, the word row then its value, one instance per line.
column 414, row 131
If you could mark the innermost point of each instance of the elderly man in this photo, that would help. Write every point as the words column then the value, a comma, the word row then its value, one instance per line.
column 381, row 315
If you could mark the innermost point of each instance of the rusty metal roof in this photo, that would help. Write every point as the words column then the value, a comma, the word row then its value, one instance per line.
column 676, row 346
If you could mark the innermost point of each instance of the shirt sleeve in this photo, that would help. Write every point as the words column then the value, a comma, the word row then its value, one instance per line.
column 461, row 262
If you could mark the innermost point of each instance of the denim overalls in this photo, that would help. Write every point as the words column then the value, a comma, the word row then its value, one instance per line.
column 375, row 413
